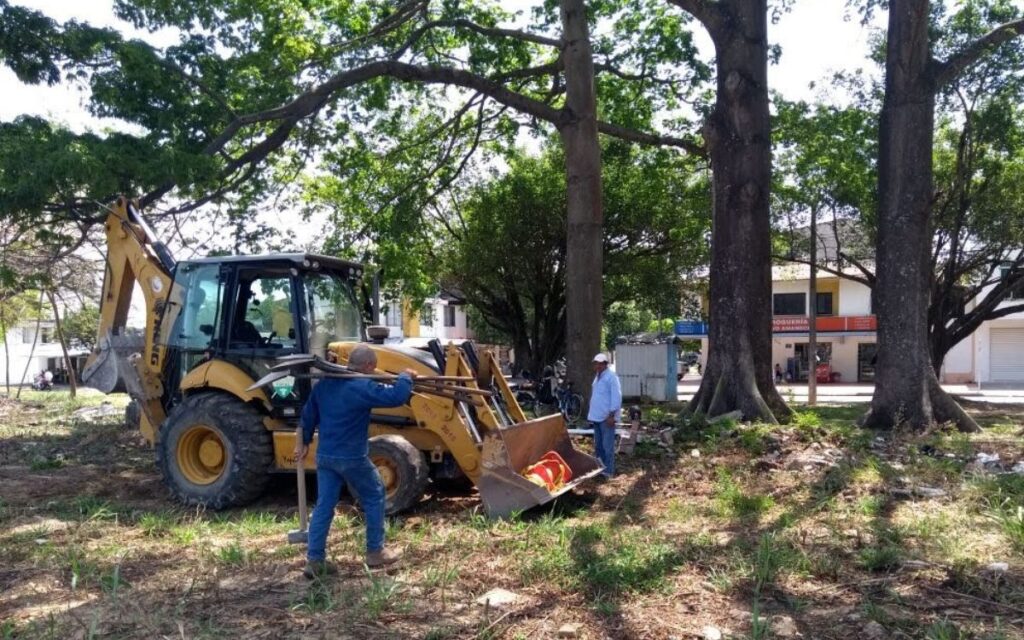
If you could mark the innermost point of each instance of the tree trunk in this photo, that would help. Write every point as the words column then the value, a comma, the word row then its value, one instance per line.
column 812, row 316
column 7, row 350
column 738, row 375
column 32, row 350
column 72, row 380
column 939, row 346
column 584, row 258
column 906, row 387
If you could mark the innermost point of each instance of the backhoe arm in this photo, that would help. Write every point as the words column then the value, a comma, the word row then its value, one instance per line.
column 120, row 361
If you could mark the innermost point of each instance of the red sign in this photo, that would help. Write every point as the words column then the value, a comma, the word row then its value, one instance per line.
column 826, row 324
column 862, row 323
column 790, row 324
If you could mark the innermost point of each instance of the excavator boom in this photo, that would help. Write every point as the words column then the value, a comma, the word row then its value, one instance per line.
column 130, row 362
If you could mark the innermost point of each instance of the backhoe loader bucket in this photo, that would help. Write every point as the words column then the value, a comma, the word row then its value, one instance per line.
column 510, row 450
column 107, row 367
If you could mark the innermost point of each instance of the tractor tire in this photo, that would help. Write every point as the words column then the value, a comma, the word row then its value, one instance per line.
column 214, row 451
column 403, row 471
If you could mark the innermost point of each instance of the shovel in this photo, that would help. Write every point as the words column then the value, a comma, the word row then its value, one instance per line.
column 300, row 535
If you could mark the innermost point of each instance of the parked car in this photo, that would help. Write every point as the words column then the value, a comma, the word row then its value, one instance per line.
column 686, row 360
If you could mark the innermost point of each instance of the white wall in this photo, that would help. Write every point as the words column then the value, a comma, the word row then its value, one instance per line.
column 19, row 345
column 958, row 367
column 844, row 352
column 854, row 298
column 792, row 286
column 983, row 346
column 459, row 332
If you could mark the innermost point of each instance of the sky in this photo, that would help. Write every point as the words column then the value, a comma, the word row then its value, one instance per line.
column 816, row 40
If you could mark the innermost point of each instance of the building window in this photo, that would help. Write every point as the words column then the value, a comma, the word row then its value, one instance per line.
column 46, row 335
column 789, row 304
column 824, row 306
column 1017, row 292
column 449, row 316
column 427, row 315
column 392, row 315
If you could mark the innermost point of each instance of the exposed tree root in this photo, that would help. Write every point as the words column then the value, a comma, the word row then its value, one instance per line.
column 731, row 388
column 931, row 405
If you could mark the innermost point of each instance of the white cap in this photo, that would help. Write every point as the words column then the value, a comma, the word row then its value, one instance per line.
column 601, row 358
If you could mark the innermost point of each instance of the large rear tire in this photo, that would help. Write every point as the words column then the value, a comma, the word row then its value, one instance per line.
column 215, row 451
column 403, row 471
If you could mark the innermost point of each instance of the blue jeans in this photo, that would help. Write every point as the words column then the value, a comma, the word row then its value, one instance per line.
column 362, row 477
column 604, row 446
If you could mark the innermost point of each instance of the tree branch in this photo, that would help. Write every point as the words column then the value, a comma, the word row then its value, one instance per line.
column 826, row 269
column 641, row 137
column 310, row 102
column 707, row 12
column 515, row 34
column 957, row 63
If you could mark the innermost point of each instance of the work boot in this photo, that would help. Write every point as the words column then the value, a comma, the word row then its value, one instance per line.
column 319, row 569
column 382, row 558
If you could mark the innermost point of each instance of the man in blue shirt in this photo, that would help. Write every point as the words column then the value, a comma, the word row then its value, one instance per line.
column 605, row 404
column 341, row 408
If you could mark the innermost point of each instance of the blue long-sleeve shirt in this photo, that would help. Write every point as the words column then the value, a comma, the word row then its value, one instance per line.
column 605, row 397
column 341, row 409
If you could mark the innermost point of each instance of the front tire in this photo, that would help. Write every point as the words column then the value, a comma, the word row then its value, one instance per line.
column 214, row 451
column 573, row 408
column 403, row 471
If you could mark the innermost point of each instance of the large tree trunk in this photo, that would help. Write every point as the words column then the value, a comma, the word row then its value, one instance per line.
column 584, row 258
column 906, row 387
column 738, row 375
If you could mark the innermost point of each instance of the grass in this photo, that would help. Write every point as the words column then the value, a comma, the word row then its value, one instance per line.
column 731, row 501
column 1010, row 519
column 673, row 543
column 232, row 555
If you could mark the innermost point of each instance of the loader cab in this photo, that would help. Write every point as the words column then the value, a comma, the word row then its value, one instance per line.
column 249, row 311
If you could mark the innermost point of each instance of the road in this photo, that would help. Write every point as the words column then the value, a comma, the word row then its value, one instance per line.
column 854, row 393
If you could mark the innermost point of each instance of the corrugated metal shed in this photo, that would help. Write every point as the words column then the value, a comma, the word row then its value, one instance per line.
column 647, row 370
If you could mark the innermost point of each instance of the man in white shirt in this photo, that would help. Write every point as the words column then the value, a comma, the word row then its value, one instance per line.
column 605, row 405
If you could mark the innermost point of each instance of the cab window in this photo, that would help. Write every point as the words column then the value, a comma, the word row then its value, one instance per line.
column 200, row 293
column 263, row 312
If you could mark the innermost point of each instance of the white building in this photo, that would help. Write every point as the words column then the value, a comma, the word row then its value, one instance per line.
column 846, row 334
column 47, row 354
column 442, row 316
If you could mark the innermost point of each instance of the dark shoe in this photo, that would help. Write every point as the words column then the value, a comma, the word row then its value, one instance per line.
column 382, row 558
column 319, row 569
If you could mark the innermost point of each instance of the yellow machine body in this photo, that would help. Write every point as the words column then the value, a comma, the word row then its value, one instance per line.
column 211, row 420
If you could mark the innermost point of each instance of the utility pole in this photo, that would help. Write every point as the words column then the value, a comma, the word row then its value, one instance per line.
column 812, row 316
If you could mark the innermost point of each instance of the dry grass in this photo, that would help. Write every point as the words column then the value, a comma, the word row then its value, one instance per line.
column 769, row 526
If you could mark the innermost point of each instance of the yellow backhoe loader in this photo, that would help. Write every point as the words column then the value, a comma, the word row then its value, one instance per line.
column 215, row 326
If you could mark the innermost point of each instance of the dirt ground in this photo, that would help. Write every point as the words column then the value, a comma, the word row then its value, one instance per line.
column 811, row 530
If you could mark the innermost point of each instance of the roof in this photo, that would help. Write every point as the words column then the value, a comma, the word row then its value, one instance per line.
column 299, row 259
column 791, row 272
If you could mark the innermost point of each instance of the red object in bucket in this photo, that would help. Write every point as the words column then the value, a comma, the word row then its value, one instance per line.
column 550, row 472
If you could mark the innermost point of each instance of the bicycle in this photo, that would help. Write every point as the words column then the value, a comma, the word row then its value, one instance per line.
column 568, row 403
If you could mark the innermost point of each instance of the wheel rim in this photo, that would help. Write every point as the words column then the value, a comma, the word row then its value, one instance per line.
column 388, row 471
column 201, row 454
